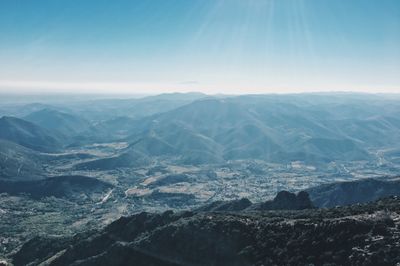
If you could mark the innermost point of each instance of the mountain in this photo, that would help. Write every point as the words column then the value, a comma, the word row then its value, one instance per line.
column 69, row 187
column 209, row 131
column 20, row 163
column 352, row 192
column 354, row 235
column 334, row 149
column 180, row 151
column 135, row 108
column 114, row 128
column 198, row 129
column 28, row 134
column 60, row 122
column 153, row 146
column 213, row 130
column 21, row 109
column 284, row 200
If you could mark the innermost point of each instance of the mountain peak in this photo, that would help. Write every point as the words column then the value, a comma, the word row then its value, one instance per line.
column 286, row 200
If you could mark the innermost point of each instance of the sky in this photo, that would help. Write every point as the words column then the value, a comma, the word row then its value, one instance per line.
column 212, row 46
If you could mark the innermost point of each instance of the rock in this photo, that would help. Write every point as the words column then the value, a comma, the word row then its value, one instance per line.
column 285, row 200
column 339, row 236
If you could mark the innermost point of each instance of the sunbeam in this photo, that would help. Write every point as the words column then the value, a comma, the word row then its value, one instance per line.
column 225, row 46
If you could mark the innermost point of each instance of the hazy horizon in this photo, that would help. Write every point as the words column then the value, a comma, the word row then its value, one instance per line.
column 108, row 94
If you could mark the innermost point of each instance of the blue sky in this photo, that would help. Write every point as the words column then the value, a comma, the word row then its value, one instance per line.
column 214, row 46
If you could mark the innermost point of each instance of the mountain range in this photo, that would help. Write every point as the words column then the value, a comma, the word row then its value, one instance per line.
column 214, row 130
column 68, row 168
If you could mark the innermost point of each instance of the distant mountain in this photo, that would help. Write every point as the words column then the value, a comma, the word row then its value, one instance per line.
column 209, row 131
column 28, row 134
column 213, row 130
column 352, row 192
column 114, row 128
column 334, row 149
column 23, row 109
column 108, row 109
column 19, row 163
column 70, row 187
column 175, row 96
column 63, row 123
column 199, row 129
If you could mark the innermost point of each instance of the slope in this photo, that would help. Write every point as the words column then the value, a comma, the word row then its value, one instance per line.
column 28, row 134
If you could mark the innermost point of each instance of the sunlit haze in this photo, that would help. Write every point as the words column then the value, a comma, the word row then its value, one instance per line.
column 210, row 46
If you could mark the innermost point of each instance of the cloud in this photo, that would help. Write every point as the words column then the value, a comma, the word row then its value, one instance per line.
column 189, row 82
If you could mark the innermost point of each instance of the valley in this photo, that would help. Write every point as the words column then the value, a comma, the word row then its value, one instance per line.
column 199, row 133
column 56, row 181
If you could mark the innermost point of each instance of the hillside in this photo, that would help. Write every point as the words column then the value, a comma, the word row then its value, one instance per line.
column 216, row 130
column 60, row 122
column 69, row 187
column 19, row 163
column 134, row 108
column 129, row 158
column 28, row 134
column 351, row 192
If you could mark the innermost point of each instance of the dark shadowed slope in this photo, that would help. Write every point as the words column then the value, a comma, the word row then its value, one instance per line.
column 342, row 236
column 19, row 163
column 351, row 192
column 70, row 187
column 284, row 200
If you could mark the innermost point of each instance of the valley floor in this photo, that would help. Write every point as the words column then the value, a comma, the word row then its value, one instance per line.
column 158, row 187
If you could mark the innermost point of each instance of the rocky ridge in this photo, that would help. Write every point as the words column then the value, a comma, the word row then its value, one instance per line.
column 363, row 234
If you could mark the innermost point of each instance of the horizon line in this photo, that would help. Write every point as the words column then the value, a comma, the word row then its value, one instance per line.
column 134, row 88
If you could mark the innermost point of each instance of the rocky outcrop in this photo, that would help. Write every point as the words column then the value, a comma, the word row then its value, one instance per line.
column 285, row 200
column 353, row 235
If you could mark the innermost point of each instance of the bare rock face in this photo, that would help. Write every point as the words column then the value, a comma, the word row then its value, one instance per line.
column 285, row 200
column 303, row 201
